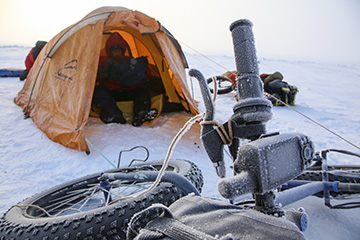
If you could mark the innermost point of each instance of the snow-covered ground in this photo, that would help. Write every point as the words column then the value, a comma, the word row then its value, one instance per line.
column 329, row 94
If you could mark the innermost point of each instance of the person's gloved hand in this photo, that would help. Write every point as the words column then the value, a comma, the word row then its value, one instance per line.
column 105, row 69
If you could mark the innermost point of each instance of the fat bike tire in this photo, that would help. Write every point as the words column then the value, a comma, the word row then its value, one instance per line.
column 224, row 85
column 109, row 221
column 340, row 173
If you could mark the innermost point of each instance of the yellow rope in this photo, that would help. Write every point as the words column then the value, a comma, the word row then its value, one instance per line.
column 43, row 210
column 215, row 88
column 226, row 137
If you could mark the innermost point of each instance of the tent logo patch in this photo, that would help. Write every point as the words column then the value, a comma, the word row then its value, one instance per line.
column 64, row 73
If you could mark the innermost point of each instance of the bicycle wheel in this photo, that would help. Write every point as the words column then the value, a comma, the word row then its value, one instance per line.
column 79, row 209
column 340, row 173
column 224, row 85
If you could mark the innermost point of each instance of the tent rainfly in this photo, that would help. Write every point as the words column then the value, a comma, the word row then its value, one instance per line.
column 58, row 91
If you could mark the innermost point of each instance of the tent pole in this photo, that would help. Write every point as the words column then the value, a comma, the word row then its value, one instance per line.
column 32, row 89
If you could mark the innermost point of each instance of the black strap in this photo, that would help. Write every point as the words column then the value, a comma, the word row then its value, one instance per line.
column 140, row 219
column 163, row 226
column 176, row 230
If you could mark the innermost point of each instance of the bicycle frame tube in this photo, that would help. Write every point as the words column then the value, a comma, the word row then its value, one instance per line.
column 144, row 176
column 301, row 189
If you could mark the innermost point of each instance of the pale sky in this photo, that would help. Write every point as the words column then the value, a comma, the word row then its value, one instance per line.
column 326, row 30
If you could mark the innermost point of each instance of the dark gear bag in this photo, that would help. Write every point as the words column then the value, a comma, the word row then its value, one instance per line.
column 193, row 217
column 131, row 72
column 281, row 90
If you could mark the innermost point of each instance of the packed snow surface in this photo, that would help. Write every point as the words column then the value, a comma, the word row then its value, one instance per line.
column 328, row 94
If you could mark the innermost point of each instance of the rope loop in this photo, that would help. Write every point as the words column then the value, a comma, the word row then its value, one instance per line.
column 225, row 136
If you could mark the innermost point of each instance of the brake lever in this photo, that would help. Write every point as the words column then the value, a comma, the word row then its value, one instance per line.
column 210, row 138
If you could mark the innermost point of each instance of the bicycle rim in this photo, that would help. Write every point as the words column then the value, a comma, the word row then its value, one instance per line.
column 85, row 207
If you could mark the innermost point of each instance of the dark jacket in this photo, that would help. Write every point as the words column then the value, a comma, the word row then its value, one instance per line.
column 105, row 66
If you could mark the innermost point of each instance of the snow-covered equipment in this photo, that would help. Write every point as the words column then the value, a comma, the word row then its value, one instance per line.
column 59, row 88
column 108, row 205
column 266, row 163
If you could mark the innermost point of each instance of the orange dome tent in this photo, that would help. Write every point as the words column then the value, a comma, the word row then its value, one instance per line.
column 58, row 91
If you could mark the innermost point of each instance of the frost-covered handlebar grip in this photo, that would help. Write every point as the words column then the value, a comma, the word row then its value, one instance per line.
column 235, row 186
column 244, row 46
column 249, row 83
column 252, row 106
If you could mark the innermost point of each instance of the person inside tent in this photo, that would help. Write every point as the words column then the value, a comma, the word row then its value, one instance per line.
column 31, row 57
column 279, row 89
column 121, row 78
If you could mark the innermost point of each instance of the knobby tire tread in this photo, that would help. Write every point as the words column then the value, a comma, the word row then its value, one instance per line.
column 108, row 222
column 348, row 176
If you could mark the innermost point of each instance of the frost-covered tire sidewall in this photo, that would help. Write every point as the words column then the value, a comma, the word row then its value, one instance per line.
column 109, row 222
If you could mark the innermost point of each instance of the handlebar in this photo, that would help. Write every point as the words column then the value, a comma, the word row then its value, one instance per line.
column 267, row 161
column 252, row 107
column 262, row 164
column 252, row 110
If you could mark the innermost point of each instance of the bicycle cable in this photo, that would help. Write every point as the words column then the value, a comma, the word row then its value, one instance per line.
column 175, row 140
